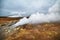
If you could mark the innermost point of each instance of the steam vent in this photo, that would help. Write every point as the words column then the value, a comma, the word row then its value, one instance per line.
column 43, row 31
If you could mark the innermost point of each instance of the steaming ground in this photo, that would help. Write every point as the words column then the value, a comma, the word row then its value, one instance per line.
column 38, row 18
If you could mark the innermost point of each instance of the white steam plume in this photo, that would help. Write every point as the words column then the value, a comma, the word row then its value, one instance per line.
column 38, row 18
column 20, row 22
column 52, row 16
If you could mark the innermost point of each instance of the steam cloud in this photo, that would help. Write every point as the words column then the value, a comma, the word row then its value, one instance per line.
column 38, row 18
column 52, row 16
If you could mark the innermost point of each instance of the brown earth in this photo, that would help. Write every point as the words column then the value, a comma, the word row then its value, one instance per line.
column 44, row 31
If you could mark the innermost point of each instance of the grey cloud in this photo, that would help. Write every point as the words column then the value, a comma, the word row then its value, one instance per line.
column 28, row 6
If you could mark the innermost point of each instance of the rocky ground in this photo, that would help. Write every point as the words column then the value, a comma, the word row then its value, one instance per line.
column 44, row 31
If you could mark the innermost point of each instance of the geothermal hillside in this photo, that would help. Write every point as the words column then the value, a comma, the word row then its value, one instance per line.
column 43, row 31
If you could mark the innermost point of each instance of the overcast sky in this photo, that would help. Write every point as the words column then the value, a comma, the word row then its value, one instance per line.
column 25, row 7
